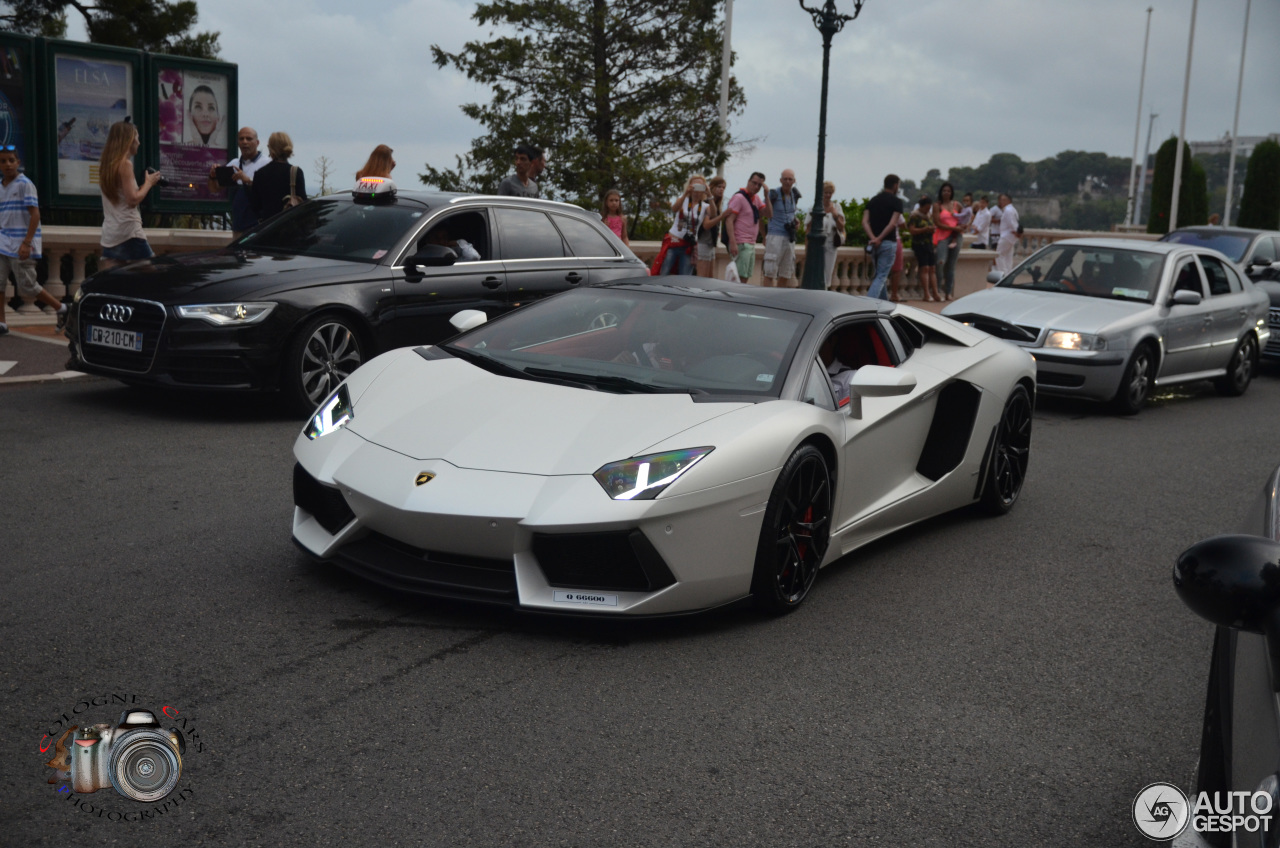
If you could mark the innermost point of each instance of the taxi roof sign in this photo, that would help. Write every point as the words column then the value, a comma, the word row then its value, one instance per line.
column 374, row 190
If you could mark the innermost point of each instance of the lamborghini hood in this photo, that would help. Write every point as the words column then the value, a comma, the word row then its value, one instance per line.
column 451, row 410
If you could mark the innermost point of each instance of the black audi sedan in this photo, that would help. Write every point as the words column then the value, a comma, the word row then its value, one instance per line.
column 1233, row 581
column 298, row 303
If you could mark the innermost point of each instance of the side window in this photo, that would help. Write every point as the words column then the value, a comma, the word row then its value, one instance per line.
column 528, row 234
column 1187, row 278
column 817, row 389
column 466, row 232
column 1216, row 274
column 909, row 336
column 584, row 239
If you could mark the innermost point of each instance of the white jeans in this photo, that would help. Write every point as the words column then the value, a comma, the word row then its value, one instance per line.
column 1004, row 254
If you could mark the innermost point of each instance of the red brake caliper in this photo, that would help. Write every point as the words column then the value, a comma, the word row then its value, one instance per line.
column 808, row 519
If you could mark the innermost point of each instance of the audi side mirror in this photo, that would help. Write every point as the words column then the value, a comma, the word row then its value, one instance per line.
column 878, row 381
column 1234, row 581
column 1185, row 297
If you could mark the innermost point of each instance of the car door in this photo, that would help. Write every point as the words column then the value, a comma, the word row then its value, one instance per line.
column 1187, row 329
column 1231, row 308
column 427, row 298
column 882, row 447
column 536, row 260
column 599, row 260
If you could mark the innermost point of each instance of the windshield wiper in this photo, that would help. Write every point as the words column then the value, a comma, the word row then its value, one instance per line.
column 502, row 369
column 610, row 381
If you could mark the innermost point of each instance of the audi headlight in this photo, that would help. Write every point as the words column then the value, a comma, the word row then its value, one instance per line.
column 1065, row 340
column 227, row 314
column 643, row 477
column 332, row 414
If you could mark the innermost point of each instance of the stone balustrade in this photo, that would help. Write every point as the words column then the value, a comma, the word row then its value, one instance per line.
column 853, row 272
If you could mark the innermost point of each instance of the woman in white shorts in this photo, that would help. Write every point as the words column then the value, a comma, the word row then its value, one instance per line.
column 709, row 233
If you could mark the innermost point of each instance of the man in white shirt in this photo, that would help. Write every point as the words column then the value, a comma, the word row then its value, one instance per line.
column 982, row 224
column 243, row 216
column 1009, row 227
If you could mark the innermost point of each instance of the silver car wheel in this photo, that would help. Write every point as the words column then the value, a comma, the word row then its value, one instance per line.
column 1240, row 369
column 1135, row 385
column 328, row 357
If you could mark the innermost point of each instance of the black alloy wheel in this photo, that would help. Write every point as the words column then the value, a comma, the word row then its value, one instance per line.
column 795, row 533
column 1136, row 383
column 320, row 357
column 1009, row 454
column 1241, row 368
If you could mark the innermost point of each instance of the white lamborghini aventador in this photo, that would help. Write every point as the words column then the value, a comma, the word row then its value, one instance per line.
column 658, row 447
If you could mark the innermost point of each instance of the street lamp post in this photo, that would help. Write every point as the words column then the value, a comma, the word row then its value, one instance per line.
column 829, row 22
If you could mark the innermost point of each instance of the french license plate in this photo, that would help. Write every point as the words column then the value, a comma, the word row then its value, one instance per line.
column 110, row 337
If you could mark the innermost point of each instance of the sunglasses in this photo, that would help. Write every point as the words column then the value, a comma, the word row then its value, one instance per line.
column 8, row 147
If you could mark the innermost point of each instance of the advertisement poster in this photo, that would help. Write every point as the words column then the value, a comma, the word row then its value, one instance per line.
column 193, row 131
column 11, row 101
column 91, row 95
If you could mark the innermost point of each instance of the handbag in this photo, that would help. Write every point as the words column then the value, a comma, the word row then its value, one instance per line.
column 291, row 199
column 837, row 234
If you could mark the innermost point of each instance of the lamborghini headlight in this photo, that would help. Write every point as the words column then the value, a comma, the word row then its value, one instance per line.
column 1065, row 340
column 332, row 414
column 227, row 314
column 641, row 478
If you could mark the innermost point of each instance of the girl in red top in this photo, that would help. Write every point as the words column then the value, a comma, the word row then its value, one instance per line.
column 611, row 212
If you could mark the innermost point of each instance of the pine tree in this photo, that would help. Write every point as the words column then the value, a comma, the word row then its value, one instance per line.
column 1193, row 195
column 156, row 25
column 1260, row 204
column 619, row 94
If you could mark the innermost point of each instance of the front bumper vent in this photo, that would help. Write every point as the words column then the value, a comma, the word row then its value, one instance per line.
column 623, row 560
column 324, row 502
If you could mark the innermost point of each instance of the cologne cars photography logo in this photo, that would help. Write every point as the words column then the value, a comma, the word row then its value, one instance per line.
column 138, row 757
column 1161, row 811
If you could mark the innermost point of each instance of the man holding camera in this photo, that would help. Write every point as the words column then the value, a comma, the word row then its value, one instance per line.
column 779, row 240
column 240, row 180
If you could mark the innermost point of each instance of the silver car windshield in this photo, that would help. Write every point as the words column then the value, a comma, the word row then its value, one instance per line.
column 1106, row 272
column 629, row 341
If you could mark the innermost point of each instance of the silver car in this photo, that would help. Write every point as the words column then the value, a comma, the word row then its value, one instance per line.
column 1109, row 319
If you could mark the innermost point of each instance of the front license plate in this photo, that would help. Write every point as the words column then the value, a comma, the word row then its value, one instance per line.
column 591, row 598
column 109, row 337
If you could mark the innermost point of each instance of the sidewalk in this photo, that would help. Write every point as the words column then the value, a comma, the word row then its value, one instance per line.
column 33, row 351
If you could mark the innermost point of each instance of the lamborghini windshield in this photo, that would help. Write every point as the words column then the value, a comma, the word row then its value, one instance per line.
column 629, row 341
column 1107, row 272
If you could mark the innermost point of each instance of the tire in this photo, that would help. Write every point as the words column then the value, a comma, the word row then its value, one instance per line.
column 795, row 533
column 1240, row 371
column 320, row 356
column 1010, row 452
column 1135, row 385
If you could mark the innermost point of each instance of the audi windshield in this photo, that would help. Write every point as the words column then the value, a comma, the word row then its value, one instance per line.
column 335, row 229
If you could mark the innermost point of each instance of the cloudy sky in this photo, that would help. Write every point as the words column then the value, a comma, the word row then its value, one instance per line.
column 919, row 85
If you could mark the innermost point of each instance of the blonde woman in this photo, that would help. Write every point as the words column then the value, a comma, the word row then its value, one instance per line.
column 123, row 239
column 275, row 186
column 679, row 242
column 709, row 232
column 380, row 163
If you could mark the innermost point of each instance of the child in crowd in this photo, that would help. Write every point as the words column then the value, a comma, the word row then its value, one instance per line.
column 20, row 235
column 611, row 212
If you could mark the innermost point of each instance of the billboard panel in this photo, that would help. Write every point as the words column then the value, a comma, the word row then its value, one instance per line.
column 195, row 117
column 89, row 96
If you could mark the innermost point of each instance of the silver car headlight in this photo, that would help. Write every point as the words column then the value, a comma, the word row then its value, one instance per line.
column 331, row 415
column 642, row 478
column 227, row 314
column 1067, row 340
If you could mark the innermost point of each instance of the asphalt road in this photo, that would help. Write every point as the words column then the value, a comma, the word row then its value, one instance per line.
column 1012, row 681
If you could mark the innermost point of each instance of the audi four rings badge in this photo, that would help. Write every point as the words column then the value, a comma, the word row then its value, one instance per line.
column 116, row 312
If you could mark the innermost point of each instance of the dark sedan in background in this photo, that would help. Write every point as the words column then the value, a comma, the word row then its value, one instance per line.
column 1256, row 251
column 1234, row 583
column 300, row 302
